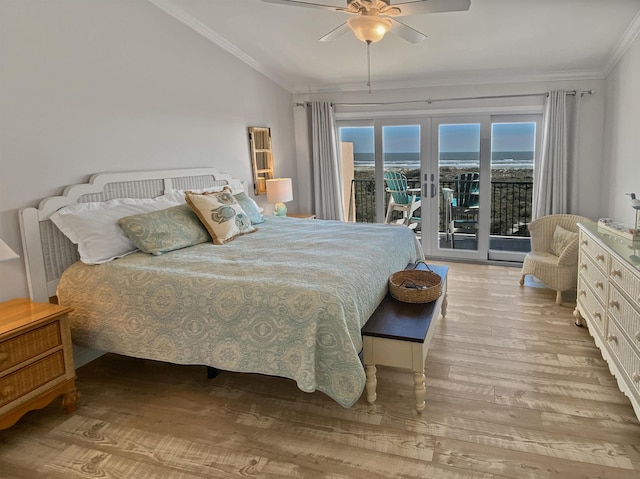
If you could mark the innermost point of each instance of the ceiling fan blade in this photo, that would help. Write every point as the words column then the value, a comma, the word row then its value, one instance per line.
column 420, row 7
column 335, row 33
column 406, row 32
column 297, row 3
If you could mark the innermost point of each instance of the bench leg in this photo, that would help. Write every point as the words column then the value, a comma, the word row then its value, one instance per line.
column 371, row 384
column 420, row 390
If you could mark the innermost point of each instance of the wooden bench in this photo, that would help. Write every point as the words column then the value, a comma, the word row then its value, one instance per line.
column 398, row 334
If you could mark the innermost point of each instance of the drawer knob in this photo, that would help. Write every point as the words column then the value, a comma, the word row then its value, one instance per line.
column 614, row 304
column 638, row 336
column 582, row 292
column 600, row 257
column 596, row 314
column 599, row 284
column 616, row 272
column 612, row 337
column 636, row 377
column 583, row 265
column 584, row 242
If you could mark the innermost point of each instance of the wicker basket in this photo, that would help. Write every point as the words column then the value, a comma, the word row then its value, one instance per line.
column 415, row 285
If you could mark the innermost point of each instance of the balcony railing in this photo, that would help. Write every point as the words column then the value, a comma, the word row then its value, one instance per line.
column 510, row 205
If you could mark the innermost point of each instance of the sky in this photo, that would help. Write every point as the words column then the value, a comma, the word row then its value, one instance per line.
column 453, row 138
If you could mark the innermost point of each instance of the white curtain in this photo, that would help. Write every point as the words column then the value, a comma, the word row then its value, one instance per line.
column 327, row 173
column 556, row 177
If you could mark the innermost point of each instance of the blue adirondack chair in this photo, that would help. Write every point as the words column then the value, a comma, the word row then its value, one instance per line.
column 401, row 198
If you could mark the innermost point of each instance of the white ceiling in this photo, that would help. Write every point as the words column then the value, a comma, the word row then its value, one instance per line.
column 495, row 41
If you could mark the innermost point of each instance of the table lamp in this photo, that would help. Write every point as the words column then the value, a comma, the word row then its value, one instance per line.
column 279, row 191
column 6, row 253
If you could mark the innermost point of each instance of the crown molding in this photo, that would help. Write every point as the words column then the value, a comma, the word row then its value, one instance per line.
column 458, row 78
column 199, row 27
column 623, row 44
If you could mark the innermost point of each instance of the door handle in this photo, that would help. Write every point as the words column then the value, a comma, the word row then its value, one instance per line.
column 433, row 190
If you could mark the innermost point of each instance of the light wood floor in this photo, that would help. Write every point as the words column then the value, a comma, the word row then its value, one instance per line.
column 514, row 390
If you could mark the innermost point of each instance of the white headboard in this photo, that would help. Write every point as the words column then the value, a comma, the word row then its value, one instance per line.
column 48, row 252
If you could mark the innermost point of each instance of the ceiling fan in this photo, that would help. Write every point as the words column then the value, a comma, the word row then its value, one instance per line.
column 372, row 19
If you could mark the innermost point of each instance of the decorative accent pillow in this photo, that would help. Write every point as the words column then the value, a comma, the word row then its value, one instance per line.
column 561, row 239
column 165, row 230
column 94, row 226
column 248, row 204
column 221, row 214
column 250, row 207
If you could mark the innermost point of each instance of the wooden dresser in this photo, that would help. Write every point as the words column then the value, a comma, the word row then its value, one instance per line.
column 36, row 358
column 609, row 301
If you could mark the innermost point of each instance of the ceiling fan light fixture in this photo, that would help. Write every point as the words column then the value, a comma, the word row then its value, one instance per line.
column 369, row 28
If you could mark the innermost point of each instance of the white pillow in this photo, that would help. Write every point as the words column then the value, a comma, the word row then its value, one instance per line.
column 94, row 226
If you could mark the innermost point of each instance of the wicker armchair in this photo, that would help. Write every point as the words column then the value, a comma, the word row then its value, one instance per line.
column 558, row 272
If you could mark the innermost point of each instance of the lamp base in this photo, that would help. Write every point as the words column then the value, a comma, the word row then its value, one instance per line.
column 279, row 209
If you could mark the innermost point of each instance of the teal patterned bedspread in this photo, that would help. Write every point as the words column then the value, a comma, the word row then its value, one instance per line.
column 288, row 300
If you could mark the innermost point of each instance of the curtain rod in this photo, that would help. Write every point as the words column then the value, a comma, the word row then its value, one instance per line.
column 434, row 100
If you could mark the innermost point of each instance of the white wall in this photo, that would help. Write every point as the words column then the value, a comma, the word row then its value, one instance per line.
column 622, row 136
column 592, row 190
column 89, row 86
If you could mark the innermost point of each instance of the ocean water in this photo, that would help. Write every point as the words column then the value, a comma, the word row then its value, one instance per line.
column 500, row 159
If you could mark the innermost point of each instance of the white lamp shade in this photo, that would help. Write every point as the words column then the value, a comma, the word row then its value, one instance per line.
column 369, row 28
column 6, row 253
column 279, row 190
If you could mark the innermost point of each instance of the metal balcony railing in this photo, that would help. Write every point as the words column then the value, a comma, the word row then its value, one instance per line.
column 510, row 205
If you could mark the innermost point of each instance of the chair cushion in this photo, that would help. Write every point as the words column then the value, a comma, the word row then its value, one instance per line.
column 561, row 239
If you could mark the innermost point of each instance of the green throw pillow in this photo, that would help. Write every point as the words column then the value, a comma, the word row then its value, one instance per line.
column 165, row 230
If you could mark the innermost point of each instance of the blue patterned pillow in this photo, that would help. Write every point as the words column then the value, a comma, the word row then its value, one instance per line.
column 165, row 230
column 250, row 207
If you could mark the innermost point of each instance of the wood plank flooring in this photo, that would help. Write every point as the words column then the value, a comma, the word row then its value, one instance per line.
column 514, row 390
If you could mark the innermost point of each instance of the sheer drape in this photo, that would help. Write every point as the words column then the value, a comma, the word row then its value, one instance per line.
column 327, row 181
column 556, row 177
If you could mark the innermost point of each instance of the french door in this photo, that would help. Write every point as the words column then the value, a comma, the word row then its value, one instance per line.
column 474, row 174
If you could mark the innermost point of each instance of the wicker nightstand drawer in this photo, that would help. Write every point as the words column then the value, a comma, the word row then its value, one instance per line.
column 26, row 346
column 36, row 358
column 25, row 380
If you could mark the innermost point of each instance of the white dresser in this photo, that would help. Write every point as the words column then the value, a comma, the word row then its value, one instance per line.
column 609, row 301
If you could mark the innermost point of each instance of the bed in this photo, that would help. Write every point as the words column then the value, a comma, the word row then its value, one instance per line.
column 287, row 300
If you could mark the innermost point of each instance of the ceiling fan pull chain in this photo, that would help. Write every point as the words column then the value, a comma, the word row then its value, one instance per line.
column 369, row 66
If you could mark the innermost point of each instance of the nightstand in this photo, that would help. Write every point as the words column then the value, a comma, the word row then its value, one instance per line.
column 36, row 358
column 304, row 216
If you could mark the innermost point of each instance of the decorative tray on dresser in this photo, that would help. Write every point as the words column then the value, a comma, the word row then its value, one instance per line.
column 609, row 301
column 36, row 358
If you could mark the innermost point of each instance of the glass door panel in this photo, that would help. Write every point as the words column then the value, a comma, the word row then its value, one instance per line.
column 459, row 173
column 401, row 161
column 513, row 152
column 358, row 163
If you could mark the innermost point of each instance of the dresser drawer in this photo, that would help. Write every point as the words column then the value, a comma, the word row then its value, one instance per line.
column 628, row 282
column 592, row 310
column 28, row 345
column 594, row 277
column 598, row 254
column 625, row 314
column 30, row 378
column 627, row 356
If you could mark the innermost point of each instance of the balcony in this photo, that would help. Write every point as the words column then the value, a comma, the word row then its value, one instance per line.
column 510, row 211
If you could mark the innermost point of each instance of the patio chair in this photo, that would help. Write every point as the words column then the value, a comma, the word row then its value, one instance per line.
column 401, row 198
column 554, row 252
column 465, row 204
